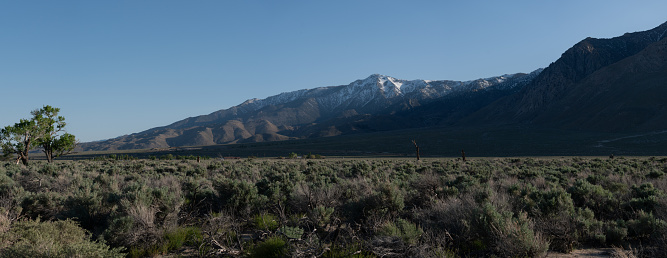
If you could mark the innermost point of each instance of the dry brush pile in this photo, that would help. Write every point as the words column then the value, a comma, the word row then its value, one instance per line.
column 332, row 208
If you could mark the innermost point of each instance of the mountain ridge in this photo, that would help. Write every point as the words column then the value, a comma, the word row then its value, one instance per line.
column 290, row 112
column 598, row 85
column 575, row 64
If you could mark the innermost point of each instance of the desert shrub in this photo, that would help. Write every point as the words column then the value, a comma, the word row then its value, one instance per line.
column 388, row 198
column 183, row 236
column 553, row 201
column 655, row 173
column 239, row 195
column 560, row 229
column 354, row 250
column 647, row 204
column 6, row 183
column 266, row 221
column 529, row 172
column 302, row 198
column 34, row 238
column 199, row 197
column 482, row 194
column 447, row 217
column 359, row 168
column 215, row 166
column 645, row 190
column 271, row 247
column 291, row 232
column 615, row 233
column 352, row 207
column 403, row 229
column 49, row 169
column 172, row 240
column 595, row 197
column 504, row 234
column 321, row 215
column 424, row 188
column 221, row 230
column 385, row 200
column 554, row 215
column 167, row 157
column 32, row 181
column 194, row 170
column 355, row 194
column 163, row 202
column 143, row 215
column 90, row 201
column 44, row 204
column 88, row 208
column 645, row 197
column 645, row 225
column 464, row 183
column 275, row 186
column 482, row 229
column 617, row 188
column 589, row 229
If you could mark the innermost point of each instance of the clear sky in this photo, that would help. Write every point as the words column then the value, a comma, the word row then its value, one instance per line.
column 121, row 67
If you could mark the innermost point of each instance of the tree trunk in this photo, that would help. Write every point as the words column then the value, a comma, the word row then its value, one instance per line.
column 23, row 155
column 49, row 156
column 23, row 158
column 416, row 147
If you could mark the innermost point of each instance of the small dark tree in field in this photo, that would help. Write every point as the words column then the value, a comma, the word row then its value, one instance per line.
column 42, row 130
column 416, row 148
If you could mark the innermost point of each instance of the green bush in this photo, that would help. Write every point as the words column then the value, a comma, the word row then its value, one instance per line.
column 291, row 232
column 595, row 197
column 239, row 195
column 321, row 215
column 589, row 229
column 403, row 229
column 645, row 225
column 34, row 238
column 266, row 222
column 615, row 233
column 506, row 235
column 183, row 236
column 388, row 198
column 44, row 204
column 271, row 247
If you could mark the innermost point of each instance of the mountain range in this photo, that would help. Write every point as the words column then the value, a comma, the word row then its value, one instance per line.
column 598, row 85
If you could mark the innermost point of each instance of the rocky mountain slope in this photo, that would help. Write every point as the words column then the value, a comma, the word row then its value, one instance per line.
column 561, row 88
column 324, row 111
column 616, row 85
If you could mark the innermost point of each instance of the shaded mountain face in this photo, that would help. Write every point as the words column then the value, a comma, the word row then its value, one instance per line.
column 562, row 80
column 324, row 111
column 627, row 96
column 598, row 85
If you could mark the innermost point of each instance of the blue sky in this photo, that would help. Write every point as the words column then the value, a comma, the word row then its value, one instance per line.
column 120, row 67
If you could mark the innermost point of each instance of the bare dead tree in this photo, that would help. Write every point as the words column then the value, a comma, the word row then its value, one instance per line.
column 416, row 147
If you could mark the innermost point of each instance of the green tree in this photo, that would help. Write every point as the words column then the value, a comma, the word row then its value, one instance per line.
column 45, row 129
column 53, row 143
column 19, row 139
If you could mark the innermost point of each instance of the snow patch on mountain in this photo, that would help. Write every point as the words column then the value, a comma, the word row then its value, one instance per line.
column 381, row 89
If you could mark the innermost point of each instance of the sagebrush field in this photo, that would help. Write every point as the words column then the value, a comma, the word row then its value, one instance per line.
column 332, row 208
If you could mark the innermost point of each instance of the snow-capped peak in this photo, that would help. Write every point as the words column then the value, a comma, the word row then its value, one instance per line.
column 377, row 88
